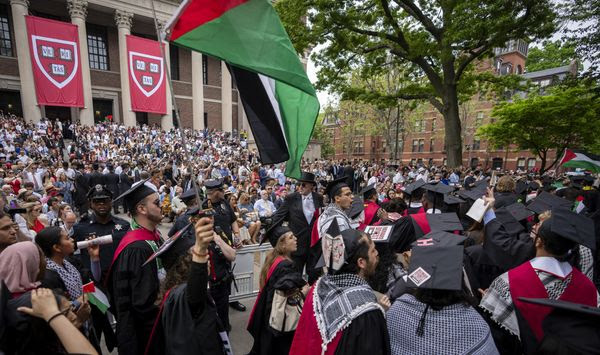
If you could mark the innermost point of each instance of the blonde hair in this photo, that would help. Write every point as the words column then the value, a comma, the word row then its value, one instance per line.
column 505, row 184
column 278, row 250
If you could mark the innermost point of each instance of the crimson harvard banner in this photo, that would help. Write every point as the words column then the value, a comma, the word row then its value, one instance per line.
column 55, row 60
column 146, row 75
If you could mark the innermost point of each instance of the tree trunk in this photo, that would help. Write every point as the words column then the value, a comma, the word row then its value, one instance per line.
column 452, row 127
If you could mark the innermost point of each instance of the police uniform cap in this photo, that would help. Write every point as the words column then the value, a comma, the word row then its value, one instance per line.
column 99, row 192
column 213, row 184
column 188, row 194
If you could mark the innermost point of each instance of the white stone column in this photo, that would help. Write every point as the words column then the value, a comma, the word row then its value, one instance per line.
column 226, row 124
column 124, row 20
column 31, row 110
column 166, row 121
column 78, row 11
column 197, row 91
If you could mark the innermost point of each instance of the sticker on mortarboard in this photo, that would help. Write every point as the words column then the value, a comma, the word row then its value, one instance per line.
column 419, row 276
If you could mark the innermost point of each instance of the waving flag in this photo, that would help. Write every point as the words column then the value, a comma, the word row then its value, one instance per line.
column 279, row 100
column 579, row 159
column 96, row 296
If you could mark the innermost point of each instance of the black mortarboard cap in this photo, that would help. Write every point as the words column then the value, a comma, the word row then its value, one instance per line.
column 438, row 188
column 99, row 192
column 356, row 208
column 333, row 187
column 367, row 191
column 521, row 186
column 447, row 222
column 411, row 188
column 545, row 201
column 135, row 194
column 174, row 247
column 436, row 267
column 213, row 184
column 510, row 223
column 519, row 211
column 403, row 235
column 452, row 200
column 575, row 227
column 275, row 232
column 570, row 328
column 439, row 238
column 474, row 193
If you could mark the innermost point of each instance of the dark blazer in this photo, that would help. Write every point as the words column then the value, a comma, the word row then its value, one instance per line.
column 112, row 183
column 96, row 178
column 292, row 212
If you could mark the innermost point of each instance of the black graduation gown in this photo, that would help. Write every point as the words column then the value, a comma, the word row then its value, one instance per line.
column 484, row 270
column 188, row 321
column 285, row 277
column 134, row 290
column 367, row 334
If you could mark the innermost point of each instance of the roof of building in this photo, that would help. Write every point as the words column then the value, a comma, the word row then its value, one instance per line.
column 565, row 69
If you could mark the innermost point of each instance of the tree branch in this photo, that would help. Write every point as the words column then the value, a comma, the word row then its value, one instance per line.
column 473, row 55
column 417, row 14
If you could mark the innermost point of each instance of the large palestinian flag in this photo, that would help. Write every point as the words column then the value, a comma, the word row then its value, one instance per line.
column 579, row 159
column 279, row 100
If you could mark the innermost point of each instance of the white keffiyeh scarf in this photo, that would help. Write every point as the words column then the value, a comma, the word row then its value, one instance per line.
column 70, row 277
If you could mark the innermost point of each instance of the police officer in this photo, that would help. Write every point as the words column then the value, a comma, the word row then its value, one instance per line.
column 221, row 251
column 100, row 222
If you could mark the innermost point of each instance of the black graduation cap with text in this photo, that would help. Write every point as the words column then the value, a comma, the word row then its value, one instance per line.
column 436, row 267
column 545, row 201
column 448, row 222
column 570, row 328
column 135, row 194
column 334, row 186
column 439, row 238
column 573, row 226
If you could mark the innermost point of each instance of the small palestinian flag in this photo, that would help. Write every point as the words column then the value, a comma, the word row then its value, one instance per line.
column 279, row 100
column 578, row 159
column 96, row 297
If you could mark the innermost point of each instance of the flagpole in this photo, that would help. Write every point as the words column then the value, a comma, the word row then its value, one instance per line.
column 180, row 126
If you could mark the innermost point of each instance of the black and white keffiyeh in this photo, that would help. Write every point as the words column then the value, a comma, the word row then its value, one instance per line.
column 339, row 299
column 69, row 275
column 457, row 327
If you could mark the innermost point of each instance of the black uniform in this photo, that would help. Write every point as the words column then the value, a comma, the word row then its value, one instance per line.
column 221, row 274
column 125, row 183
column 88, row 225
column 112, row 184
column 82, row 187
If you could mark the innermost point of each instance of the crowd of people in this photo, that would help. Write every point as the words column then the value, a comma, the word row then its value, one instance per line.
column 366, row 257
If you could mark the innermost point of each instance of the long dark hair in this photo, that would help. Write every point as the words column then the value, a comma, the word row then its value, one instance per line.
column 378, row 281
column 47, row 238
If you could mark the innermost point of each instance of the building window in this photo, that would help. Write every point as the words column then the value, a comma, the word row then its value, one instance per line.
column 358, row 147
column 479, row 119
column 433, row 124
column 476, row 144
column 415, row 145
column 5, row 39
column 431, row 144
column 521, row 164
column 174, row 59
column 474, row 163
column 497, row 163
column 204, row 70
column 421, row 145
column 531, row 163
column 419, row 126
column 97, row 47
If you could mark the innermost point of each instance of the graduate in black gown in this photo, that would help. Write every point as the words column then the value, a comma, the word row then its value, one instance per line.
column 187, row 322
column 278, row 274
column 134, row 287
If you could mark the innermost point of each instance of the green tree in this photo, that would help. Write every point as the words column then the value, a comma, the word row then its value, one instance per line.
column 440, row 40
column 567, row 116
column 320, row 134
column 584, row 31
column 551, row 55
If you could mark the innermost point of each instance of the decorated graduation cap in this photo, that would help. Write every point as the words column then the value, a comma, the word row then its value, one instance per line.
column 338, row 247
column 439, row 238
column 179, row 244
column 368, row 191
column 333, row 187
column 356, row 208
column 437, row 267
column 275, row 232
column 448, row 222
column 570, row 328
column 138, row 191
column 570, row 225
column 546, row 201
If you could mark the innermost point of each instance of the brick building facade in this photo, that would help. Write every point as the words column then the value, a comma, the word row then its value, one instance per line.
column 204, row 92
column 424, row 142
